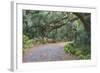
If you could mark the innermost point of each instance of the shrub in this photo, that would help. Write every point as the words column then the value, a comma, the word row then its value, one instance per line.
column 27, row 43
column 80, row 52
column 81, row 56
column 69, row 48
column 72, row 51
column 88, row 56
column 77, row 52
column 66, row 49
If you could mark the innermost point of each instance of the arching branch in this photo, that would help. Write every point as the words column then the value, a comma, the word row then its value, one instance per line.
column 85, row 21
column 58, row 26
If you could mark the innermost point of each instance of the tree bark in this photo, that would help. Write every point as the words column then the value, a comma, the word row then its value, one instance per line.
column 84, row 21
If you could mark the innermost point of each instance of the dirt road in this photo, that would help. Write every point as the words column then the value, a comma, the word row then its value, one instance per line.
column 47, row 52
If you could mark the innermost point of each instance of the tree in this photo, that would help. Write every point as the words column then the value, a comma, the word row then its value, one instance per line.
column 40, row 24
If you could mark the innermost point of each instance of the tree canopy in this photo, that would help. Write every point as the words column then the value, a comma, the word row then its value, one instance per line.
column 57, row 26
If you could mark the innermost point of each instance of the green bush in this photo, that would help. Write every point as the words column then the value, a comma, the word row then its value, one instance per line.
column 81, row 56
column 27, row 43
column 82, row 53
column 69, row 48
column 66, row 49
column 77, row 52
column 88, row 56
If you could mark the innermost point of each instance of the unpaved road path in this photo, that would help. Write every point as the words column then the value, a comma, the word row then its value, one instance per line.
column 47, row 52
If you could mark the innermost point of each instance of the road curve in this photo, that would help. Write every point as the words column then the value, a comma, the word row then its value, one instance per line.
column 47, row 52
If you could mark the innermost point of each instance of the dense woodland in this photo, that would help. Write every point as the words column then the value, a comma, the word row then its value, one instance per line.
column 40, row 27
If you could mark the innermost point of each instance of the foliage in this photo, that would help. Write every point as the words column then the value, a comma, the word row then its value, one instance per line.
column 78, row 52
column 27, row 43
column 40, row 27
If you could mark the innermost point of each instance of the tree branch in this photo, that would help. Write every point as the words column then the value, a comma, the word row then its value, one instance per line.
column 58, row 26
column 84, row 21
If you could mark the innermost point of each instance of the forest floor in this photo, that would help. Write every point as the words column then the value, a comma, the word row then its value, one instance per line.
column 47, row 52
